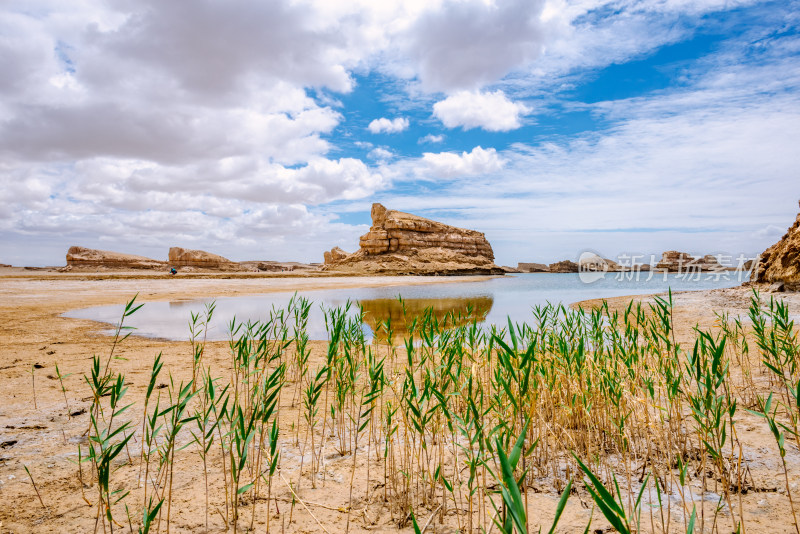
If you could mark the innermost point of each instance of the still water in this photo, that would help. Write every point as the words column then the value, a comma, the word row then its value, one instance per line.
column 491, row 301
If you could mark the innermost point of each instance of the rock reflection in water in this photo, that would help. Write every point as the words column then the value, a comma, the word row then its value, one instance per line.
column 457, row 311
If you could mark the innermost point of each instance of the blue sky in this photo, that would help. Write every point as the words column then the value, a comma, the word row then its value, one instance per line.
column 265, row 130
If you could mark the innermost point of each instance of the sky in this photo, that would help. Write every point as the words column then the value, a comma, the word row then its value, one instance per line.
column 264, row 130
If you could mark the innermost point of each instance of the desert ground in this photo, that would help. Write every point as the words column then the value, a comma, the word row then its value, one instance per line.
column 42, row 426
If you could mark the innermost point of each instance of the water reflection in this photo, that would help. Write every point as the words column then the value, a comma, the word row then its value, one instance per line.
column 402, row 314
column 492, row 301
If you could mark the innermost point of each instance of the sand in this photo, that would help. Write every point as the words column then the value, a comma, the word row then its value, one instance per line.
column 45, row 439
column 33, row 337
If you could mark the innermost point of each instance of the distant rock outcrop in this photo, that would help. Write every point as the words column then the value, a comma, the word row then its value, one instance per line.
column 402, row 243
column 180, row 257
column 278, row 266
column 334, row 255
column 674, row 261
column 565, row 266
column 593, row 262
column 780, row 263
column 80, row 257
column 533, row 267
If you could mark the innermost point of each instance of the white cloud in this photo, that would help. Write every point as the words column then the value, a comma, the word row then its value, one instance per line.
column 380, row 154
column 447, row 164
column 384, row 125
column 491, row 111
column 430, row 138
column 221, row 124
column 470, row 43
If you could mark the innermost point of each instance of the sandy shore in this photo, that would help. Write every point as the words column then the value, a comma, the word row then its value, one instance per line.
column 44, row 437
column 34, row 338
column 702, row 308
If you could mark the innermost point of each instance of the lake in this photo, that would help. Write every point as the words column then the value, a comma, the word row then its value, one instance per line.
column 491, row 301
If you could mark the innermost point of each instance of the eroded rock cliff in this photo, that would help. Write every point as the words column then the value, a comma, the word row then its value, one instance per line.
column 533, row 267
column 334, row 255
column 780, row 263
column 402, row 243
column 181, row 257
column 81, row 257
column 674, row 261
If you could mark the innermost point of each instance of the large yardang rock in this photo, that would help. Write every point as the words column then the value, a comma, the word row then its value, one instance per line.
column 402, row 243
column 80, row 257
column 181, row 257
column 395, row 231
column 780, row 263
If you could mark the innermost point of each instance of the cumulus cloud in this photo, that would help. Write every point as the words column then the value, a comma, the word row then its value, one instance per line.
column 380, row 154
column 492, row 111
column 384, row 125
column 479, row 161
column 431, row 138
column 221, row 125
column 470, row 43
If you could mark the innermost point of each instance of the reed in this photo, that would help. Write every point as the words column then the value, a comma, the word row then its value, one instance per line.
column 457, row 422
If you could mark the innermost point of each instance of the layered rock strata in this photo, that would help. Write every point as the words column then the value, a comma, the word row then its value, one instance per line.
column 593, row 262
column 565, row 266
column 81, row 257
column 181, row 257
column 780, row 264
column 674, row 261
column 533, row 267
column 334, row 255
column 402, row 243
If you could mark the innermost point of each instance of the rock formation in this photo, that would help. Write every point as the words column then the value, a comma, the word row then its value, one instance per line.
column 335, row 255
column 674, row 261
column 780, row 263
column 593, row 262
column 401, row 243
column 533, row 267
column 80, row 257
column 565, row 266
column 180, row 257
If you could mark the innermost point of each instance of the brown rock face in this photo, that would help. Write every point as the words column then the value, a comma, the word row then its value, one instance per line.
column 533, row 268
column 565, row 266
column 395, row 231
column 179, row 257
column 672, row 260
column 334, row 255
column 593, row 262
column 675, row 261
column 80, row 257
column 401, row 243
column 780, row 263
